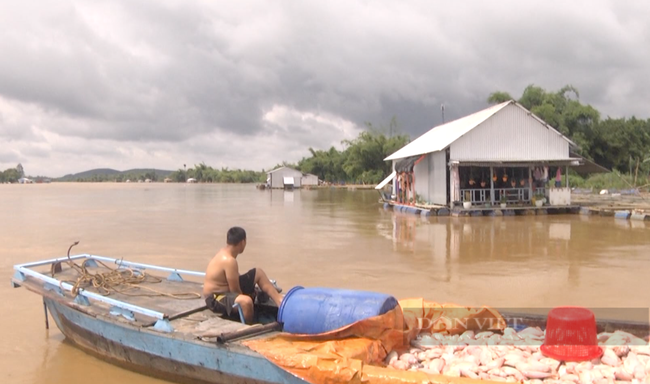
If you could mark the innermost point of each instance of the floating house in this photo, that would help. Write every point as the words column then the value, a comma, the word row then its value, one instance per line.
column 284, row 177
column 501, row 155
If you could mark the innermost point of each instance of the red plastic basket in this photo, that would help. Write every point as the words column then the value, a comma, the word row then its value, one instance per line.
column 571, row 335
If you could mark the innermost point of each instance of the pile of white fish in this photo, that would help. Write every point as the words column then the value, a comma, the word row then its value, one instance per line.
column 516, row 357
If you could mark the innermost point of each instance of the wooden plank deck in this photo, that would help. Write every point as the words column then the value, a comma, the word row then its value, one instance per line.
column 198, row 323
column 149, row 294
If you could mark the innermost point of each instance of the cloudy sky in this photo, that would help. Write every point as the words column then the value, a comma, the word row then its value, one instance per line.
column 159, row 84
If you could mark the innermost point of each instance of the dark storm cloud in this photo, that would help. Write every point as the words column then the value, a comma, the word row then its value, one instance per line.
column 141, row 72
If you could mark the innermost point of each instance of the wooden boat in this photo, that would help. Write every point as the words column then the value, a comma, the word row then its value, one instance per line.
column 169, row 336
column 167, row 333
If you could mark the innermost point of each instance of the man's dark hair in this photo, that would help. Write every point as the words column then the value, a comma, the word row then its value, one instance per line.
column 235, row 235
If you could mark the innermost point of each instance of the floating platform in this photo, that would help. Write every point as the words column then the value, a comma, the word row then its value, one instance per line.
column 439, row 210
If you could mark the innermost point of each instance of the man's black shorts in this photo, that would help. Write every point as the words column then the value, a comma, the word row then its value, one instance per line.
column 222, row 302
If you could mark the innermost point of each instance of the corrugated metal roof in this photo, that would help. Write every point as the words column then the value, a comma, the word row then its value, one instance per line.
column 440, row 137
column 281, row 168
column 588, row 167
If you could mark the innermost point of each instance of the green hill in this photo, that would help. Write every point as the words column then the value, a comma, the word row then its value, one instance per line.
column 90, row 173
column 107, row 174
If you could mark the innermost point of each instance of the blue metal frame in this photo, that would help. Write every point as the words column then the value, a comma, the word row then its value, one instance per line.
column 118, row 307
column 241, row 313
column 17, row 279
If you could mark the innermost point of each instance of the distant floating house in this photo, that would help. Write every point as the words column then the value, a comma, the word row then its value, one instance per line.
column 308, row 179
column 167, row 180
column 284, row 177
column 24, row 180
column 501, row 154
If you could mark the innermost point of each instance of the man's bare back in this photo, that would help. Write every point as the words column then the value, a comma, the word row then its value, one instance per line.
column 216, row 275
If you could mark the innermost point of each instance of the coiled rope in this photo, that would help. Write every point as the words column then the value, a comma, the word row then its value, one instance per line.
column 118, row 280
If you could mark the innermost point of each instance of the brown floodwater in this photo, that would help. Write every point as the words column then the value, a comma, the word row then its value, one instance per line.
column 325, row 237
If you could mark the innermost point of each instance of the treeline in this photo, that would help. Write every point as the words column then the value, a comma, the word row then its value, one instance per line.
column 362, row 159
column 12, row 175
column 116, row 177
column 620, row 144
column 205, row 174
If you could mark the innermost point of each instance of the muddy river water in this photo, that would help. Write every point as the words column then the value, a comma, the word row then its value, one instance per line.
column 324, row 237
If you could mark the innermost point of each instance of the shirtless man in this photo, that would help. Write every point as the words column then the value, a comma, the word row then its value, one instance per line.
column 223, row 286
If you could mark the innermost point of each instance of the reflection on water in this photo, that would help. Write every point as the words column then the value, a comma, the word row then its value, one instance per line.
column 533, row 261
column 477, row 239
column 323, row 237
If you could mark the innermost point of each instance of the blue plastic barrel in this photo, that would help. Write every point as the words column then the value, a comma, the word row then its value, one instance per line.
column 622, row 215
column 317, row 310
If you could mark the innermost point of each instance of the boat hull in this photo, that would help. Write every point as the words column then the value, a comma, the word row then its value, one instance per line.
column 160, row 356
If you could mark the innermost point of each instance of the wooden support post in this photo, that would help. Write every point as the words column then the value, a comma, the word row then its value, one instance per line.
column 492, row 185
column 400, row 182
column 413, row 187
column 530, row 183
column 567, row 176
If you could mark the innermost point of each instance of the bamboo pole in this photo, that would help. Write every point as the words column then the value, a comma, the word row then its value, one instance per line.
column 248, row 332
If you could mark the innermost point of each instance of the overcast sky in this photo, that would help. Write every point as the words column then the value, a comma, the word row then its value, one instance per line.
column 159, row 84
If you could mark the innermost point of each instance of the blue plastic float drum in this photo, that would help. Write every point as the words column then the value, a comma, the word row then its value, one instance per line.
column 317, row 310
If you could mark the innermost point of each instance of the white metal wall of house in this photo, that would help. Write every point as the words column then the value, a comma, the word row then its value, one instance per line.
column 277, row 180
column 437, row 178
column 510, row 135
column 309, row 180
column 421, row 174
